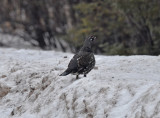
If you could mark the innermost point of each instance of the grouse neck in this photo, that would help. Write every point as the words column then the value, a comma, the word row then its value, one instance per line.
column 86, row 49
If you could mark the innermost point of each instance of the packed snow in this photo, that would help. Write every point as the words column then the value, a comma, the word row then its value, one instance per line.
column 118, row 87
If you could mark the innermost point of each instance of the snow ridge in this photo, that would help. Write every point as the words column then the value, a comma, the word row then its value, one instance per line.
column 119, row 86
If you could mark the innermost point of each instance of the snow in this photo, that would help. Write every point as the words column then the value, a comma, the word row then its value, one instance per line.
column 16, row 42
column 119, row 86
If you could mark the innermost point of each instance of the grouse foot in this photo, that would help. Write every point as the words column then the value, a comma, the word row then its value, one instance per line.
column 77, row 76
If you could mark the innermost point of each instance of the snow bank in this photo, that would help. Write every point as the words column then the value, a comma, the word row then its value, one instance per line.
column 119, row 86
column 17, row 42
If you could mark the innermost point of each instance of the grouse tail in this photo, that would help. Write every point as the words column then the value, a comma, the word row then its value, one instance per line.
column 66, row 72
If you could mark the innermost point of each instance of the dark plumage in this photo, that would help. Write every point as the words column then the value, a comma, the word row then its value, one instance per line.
column 82, row 62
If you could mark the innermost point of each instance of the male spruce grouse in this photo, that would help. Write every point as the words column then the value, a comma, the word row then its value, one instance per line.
column 82, row 62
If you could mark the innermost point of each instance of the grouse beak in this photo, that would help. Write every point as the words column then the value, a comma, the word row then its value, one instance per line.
column 93, row 43
column 94, row 39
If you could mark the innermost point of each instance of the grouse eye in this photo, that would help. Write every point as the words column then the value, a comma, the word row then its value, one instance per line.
column 92, row 39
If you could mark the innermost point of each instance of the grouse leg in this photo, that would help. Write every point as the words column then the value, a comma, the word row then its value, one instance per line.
column 76, row 76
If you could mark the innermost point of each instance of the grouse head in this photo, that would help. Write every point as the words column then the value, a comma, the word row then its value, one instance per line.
column 89, row 42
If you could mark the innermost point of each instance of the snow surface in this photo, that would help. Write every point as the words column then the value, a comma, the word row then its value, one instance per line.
column 119, row 86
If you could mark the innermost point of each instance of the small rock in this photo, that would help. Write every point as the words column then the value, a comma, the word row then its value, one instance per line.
column 3, row 76
column 65, row 57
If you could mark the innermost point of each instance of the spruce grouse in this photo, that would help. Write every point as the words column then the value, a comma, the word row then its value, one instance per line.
column 82, row 62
